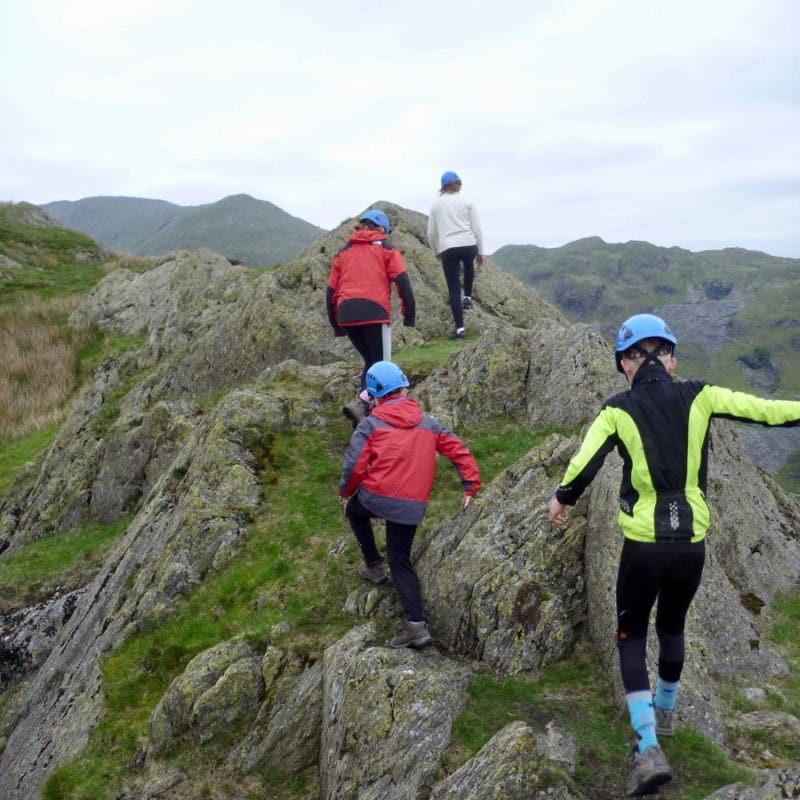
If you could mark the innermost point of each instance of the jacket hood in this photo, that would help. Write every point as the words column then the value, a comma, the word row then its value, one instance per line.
column 400, row 413
column 366, row 237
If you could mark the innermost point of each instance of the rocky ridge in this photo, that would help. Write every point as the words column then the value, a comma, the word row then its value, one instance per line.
column 173, row 433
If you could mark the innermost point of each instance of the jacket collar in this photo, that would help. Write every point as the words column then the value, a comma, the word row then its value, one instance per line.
column 651, row 373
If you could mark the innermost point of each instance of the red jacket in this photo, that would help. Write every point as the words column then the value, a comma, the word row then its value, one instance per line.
column 359, row 284
column 391, row 460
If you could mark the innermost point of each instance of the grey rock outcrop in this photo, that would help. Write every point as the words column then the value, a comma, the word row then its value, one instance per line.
column 773, row 784
column 285, row 735
column 548, row 375
column 194, row 522
column 500, row 585
column 27, row 637
column 220, row 688
column 509, row 767
column 386, row 718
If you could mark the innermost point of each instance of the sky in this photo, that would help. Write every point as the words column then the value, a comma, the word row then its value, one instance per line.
column 671, row 121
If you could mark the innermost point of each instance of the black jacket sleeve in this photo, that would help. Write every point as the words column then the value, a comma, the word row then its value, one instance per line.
column 332, row 314
column 403, row 283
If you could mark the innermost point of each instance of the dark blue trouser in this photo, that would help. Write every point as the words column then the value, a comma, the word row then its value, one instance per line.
column 669, row 571
column 452, row 259
column 399, row 538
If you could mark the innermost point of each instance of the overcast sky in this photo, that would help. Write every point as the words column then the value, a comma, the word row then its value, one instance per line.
column 671, row 121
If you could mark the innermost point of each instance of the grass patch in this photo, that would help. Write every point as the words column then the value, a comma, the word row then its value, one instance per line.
column 419, row 362
column 784, row 634
column 55, row 564
column 15, row 453
column 495, row 447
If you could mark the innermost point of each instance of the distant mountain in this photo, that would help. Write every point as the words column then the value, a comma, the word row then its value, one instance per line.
column 250, row 231
column 737, row 311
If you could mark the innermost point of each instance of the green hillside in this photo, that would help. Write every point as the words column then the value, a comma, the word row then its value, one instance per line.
column 736, row 312
column 239, row 227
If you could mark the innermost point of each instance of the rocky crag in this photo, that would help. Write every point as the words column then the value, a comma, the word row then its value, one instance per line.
column 172, row 433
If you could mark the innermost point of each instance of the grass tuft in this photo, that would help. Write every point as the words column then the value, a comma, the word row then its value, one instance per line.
column 55, row 564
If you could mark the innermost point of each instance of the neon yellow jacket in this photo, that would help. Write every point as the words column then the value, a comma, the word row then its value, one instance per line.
column 661, row 429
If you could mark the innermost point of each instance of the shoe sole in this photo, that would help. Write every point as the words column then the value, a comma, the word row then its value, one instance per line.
column 379, row 582
column 415, row 644
column 665, row 731
column 651, row 785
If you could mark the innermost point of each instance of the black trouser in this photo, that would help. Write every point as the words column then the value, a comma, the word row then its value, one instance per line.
column 669, row 571
column 368, row 340
column 452, row 259
column 399, row 538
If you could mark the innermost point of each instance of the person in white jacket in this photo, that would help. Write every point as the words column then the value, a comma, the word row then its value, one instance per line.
column 454, row 233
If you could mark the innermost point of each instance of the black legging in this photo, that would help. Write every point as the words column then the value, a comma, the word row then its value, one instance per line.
column 368, row 340
column 399, row 538
column 452, row 259
column 671, row 572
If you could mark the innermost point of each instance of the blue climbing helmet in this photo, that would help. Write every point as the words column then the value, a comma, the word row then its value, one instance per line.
column 638, row 328
column 378, row 217
column 449, row 177
column 384, row 377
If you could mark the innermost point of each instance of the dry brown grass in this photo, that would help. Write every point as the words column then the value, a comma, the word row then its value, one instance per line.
column 38, row 371
column 129, row 261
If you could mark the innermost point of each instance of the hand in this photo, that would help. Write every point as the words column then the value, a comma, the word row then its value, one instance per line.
column 556, row 511
column 466, row 500
column 479, row 261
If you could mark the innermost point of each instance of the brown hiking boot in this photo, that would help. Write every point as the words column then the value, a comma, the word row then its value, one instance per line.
column 356, row 410
column 375, row 574
column 416, row 635
column 650, row 770
column 665, row 722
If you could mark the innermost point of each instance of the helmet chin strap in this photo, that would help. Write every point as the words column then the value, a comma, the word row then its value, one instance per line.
column 651, row 357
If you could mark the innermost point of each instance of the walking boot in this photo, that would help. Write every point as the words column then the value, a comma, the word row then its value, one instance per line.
column 458, row 333
column 650, row 770
column 356, row 410
column 467, row 303
column 375, row 574
column 665, row 722
column 416, row 635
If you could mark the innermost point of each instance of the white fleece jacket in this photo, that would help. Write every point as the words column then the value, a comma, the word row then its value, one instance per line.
column 453, row 222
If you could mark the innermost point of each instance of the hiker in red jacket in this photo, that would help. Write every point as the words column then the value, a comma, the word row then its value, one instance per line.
column 388, row 472
column 359, row 298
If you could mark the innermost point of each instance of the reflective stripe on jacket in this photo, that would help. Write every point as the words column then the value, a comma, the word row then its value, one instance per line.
column 661, row 429
column 391, row 460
